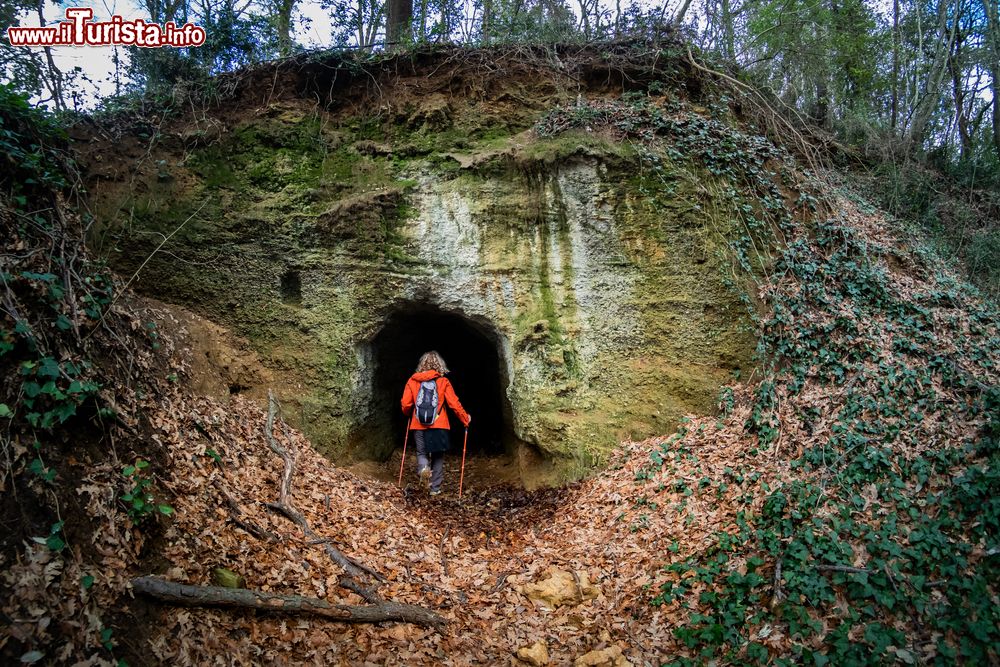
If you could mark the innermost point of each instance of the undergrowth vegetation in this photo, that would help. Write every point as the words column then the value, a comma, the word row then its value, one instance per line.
column 73, row 365
column 883, row 542
column 883, row 546
column 955, row 211
column 53, row 297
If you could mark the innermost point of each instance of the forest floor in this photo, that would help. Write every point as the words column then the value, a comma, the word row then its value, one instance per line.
column 481, row 471
column 572, row 568
column 585, row 571
column 588, row 570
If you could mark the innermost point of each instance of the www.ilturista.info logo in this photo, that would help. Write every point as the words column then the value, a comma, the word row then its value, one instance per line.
column 79, row 30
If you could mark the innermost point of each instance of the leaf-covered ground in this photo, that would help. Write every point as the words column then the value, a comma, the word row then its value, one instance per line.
column 862, row 462
column 492, row 542
column 681, row 536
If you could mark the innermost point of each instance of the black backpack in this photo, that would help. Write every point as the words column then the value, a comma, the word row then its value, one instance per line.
column 427, row 402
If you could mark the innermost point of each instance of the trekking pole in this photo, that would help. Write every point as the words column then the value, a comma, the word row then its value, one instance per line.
column 461, row 477
column 403, row 461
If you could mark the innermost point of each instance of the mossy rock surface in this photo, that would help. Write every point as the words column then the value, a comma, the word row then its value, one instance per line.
column 602, row 289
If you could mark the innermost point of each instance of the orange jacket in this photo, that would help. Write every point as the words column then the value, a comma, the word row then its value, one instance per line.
column 445, row 392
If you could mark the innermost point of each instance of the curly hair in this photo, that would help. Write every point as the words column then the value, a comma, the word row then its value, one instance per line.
column 432, row 361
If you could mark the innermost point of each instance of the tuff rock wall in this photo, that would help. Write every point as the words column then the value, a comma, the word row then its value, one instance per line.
column 600, row 279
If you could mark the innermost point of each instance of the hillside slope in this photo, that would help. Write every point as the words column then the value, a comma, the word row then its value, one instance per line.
column 840, row 505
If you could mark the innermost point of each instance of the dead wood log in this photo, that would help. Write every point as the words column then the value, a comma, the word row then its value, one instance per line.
column 217, row 596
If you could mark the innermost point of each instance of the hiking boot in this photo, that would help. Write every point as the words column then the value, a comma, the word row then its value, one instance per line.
column 435, row 492
column 425, row 477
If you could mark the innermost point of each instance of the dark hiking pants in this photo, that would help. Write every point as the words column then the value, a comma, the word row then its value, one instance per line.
column 434, row 460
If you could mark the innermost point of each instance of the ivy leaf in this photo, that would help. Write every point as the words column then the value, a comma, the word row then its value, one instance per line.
column 37, row 467
column 5, row 411
column 87, row 581
column 44, row 277
column 165, row 509
column 64, row 411
column 48, row 367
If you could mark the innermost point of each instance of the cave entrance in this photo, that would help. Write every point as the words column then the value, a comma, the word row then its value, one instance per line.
column 474, row 352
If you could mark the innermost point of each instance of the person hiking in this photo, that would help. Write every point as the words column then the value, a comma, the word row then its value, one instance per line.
column 425, row 396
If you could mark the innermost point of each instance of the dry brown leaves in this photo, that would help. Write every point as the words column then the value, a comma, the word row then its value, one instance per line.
column 596, row 527
column 619, row 531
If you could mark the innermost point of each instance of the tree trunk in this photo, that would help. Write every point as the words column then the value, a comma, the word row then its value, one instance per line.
column 679, row 18
column 927, row 104
column 445, row 21
column 423, row 21
column 53, row 76
column 959, row 95
column 360, row 23
column 397, row 29
column 993, row 48
column 487, row 20
column 894, row 112
column 728, row 32
column 283, row 25
column 821, row 107
column 217, row 596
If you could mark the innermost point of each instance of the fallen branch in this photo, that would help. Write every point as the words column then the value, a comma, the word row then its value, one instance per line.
column 284, row 505
column 217, row 596
column 236, row 516
column 778, row 595
column 843, row 568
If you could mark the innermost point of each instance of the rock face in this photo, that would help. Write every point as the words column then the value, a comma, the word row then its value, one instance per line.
column 582, row 294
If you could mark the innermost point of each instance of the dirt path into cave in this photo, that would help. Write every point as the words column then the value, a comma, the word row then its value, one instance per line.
column 479, row 561
column 481, row 472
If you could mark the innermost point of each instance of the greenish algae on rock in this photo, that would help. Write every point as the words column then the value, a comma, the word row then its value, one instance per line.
column 603, row 289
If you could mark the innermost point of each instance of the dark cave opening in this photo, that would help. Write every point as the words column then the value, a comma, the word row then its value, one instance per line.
column 291, row 287
column 472, row 351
